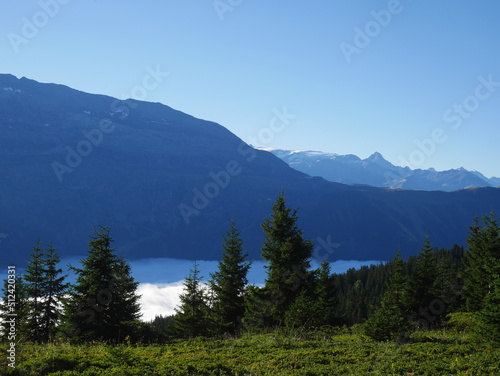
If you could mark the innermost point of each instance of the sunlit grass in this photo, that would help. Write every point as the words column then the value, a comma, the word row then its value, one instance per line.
column 337, row 352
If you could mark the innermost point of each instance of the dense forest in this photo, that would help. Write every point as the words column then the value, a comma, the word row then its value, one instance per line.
column 417, row 293
column 436, row 289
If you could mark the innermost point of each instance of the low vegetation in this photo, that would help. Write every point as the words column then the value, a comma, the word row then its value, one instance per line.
column 322, row 352
column 437, row 313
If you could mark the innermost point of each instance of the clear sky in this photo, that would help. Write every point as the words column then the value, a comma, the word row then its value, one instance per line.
column 357, row 76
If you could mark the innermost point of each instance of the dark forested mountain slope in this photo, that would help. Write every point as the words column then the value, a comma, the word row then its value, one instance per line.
column 168, row 184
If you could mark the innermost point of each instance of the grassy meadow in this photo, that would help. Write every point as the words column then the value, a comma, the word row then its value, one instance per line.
column 331, row 352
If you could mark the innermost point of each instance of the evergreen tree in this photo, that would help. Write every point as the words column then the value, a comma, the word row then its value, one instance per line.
column 288, row 255
column 103, row 304
column 162, row 328
column 228, row 284
column 14, row 305
column 324, row 296
column 34, row 278
column 483, row 244
column 53, row 288
column 423, row 280
column 258, row 309
column 489, row 314
column 192, row 315
column 42, row 289
column 390, row 319
column 301, row 312
column 358, row 289
column 449, row 285
column 356, row 308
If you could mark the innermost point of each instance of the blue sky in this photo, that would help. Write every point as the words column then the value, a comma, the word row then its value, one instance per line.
column 353, row 76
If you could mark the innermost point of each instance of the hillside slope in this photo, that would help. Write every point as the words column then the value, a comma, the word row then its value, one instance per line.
column 168, row 184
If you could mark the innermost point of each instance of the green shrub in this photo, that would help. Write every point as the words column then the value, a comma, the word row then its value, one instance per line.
column 461, row 321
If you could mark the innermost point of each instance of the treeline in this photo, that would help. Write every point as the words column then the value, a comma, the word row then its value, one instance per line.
column 432, row 290
column 360, row 290
column 389, row 300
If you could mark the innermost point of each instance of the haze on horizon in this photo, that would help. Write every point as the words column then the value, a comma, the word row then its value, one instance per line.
column 416, row 81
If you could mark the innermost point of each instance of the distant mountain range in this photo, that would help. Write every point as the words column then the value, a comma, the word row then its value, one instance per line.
column 378, row 172
column 168, row 185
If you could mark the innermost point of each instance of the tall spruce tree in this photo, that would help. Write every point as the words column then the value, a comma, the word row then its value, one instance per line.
column 449, row 286
column 288, row 256
column 43, row 288
column 258, row 309
column 192, row 318
column 391, row 318
column 483, row 246
column 423, row 280
column 34, row 278
column 102, row 304
column 488, row 314
column 53, row 288
column 325, row 300
column 228, row 284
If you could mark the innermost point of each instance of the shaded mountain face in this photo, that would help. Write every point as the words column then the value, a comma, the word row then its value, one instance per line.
column 168, row 185
column 378, row 172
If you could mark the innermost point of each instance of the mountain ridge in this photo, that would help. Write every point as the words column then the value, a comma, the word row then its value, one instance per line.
column 375, row 170
column 150, row 162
